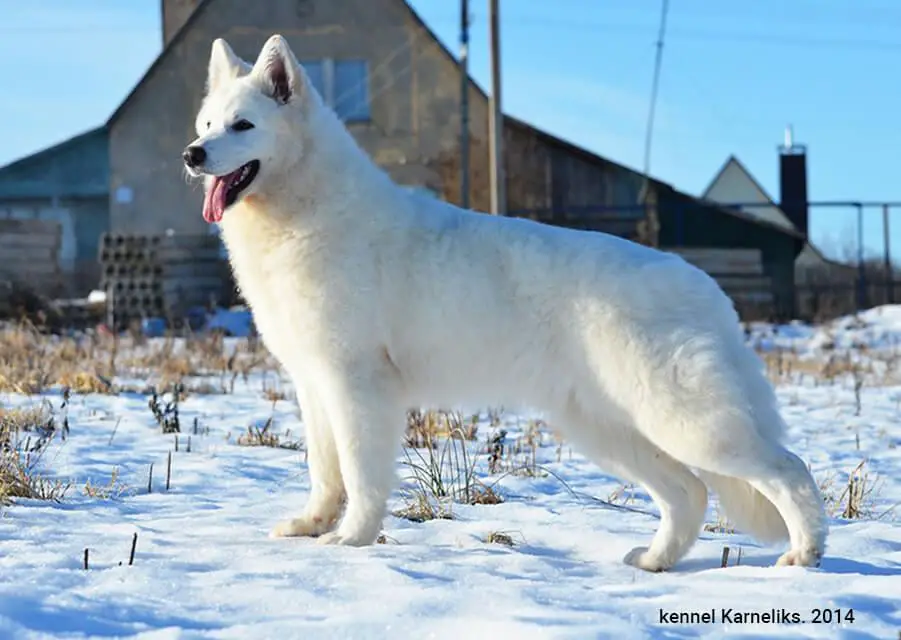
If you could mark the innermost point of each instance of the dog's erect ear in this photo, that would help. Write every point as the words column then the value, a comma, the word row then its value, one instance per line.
column 224, row 65
column 278, row 70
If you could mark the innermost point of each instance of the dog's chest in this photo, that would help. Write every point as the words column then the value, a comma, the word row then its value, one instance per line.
column 276, row 279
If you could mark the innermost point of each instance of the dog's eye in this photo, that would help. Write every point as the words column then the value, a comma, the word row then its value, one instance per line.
column 242, row 125
column 208, row 123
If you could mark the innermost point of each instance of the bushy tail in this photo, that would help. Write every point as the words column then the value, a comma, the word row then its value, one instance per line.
column 746, row 507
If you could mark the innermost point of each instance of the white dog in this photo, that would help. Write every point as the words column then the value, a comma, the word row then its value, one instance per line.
column 375, row 300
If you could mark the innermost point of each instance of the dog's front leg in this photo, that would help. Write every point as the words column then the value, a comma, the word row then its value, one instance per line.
column 366, row 415
column 326, row 485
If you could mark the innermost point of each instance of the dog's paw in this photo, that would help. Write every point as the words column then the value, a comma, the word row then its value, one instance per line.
column 641, row 558
column 806, row 557
column 343, row 539
column 299, row 527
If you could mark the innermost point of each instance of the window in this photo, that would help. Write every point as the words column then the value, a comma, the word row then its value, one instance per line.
column 351, row 99
column 316, row 74
column 343, row 85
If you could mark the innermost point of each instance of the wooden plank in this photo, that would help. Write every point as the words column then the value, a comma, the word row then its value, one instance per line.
column 740, row 283
column 25, row 255
column 29, row 253
column 16, row 240
column 28, row 275
column 717, row 270
column 28, row 263
column 751, row 296
column 43, row 284
column 614, row 227
column 29, row 226
column 723, row 261
column 737, row 256
column 716, row 252
column 727, row 265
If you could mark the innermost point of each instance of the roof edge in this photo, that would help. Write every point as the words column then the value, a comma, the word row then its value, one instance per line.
column 572, row 146
column 738, row 213
column 176, row 39
column 733, row 159
column 72, row 140
column 725, row 165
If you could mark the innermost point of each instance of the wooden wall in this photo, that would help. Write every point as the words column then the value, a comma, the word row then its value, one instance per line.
column 29, row 256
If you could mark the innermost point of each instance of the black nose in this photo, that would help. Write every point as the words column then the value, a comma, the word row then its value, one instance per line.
column 194, row 156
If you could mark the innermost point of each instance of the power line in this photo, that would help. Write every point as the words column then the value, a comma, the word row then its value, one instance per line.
column 644, row 192
column 655, row 83
column 100, row 28
column 624, row 30
column 628, row 30
column 405, row 47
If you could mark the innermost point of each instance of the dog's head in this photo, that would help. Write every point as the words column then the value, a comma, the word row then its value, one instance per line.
column 247, row 115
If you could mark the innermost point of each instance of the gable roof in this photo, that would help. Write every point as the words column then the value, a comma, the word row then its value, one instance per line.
column 204, row 4
column 576, row 150
column 761, row 205
column 167, row 48
column 76, row 167
column 447, row 52
column 732, row 160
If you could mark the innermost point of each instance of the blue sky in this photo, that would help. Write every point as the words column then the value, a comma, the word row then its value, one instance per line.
column 735, row 72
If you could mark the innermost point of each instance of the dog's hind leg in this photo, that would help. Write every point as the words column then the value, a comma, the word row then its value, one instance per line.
column 788, row 484
column 783, row 479
column 367, row 417
column 733, row 446
column 680, row 496
column 326, row 485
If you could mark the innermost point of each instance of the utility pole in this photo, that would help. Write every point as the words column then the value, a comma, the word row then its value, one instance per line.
column 889, row 271
column 464, row 103
column 861, row 267
column 495, row 119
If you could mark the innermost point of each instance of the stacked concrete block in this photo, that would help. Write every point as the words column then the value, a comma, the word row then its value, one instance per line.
column 161, row 276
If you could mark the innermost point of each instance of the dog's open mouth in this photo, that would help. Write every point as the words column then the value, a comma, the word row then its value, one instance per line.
column 224, row 190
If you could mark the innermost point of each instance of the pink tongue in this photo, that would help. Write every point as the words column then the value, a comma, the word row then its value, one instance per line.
column 214, row 200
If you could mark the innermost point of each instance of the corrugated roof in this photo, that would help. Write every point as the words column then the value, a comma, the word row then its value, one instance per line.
column 75, row 168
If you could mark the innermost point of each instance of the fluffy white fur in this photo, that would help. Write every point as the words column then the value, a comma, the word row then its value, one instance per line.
column 375, row 300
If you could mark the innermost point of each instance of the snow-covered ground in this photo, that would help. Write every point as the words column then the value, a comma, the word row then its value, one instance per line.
column 204, row 566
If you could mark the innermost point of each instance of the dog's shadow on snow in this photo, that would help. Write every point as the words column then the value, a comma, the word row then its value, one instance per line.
column 37, row 612
column 558, row 560
column 830, row 565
